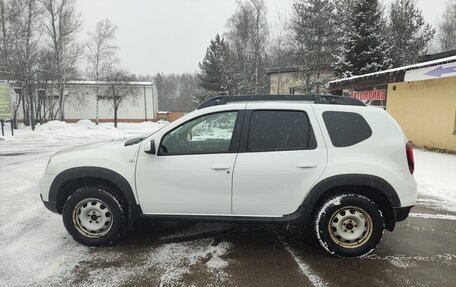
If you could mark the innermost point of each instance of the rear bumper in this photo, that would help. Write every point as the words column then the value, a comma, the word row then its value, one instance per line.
column 401, row 213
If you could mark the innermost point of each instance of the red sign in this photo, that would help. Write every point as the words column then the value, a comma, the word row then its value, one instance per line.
column 372, row 95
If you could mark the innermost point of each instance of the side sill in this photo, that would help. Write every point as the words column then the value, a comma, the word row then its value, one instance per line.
column 226, row 219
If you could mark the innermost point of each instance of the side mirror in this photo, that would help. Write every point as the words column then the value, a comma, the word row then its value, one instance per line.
column 149, row 147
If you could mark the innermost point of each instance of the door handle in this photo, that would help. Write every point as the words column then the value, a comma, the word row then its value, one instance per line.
column 306, row 165
column 220, row 167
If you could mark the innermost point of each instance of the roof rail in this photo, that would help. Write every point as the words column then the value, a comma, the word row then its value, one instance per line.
column 317, row 99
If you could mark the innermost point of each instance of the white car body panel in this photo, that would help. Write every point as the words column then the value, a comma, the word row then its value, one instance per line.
column 276, row 182
column 382, row 155
column 113, row 155
column 181, row 184
column 185, row 184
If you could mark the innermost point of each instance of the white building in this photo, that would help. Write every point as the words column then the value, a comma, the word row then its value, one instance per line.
column 82, row 105
column 80, row 102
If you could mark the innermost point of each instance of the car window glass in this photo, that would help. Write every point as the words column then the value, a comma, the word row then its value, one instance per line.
column 273, row 130
column 207, row 134
column 346, row 128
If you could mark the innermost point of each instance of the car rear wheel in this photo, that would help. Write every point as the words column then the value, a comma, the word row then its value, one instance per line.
column 349, row 225
column 94, row 216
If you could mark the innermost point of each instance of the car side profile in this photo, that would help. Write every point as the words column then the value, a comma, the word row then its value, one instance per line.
column 327, row 162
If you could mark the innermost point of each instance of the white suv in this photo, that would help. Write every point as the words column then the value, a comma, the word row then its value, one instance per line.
column 325, row 161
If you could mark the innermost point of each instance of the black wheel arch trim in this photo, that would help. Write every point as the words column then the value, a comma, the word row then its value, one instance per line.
column 95, row 172
column 368, row 183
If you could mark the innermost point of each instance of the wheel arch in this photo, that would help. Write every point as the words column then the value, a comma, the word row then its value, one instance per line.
column 373, row 187
column 67, row 181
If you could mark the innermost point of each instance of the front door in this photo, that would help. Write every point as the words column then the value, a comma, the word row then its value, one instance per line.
column 192, row 171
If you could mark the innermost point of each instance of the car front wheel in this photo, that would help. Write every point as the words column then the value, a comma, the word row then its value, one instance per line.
column 94, row 216
column 349, row 225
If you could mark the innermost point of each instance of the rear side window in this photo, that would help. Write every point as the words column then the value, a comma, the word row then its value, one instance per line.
column 275, row 130
column 346, row 128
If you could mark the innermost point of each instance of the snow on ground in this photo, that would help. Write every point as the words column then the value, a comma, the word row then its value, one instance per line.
column 176, row 259
column 34, row 245
column 80, row 132
column 435, row 174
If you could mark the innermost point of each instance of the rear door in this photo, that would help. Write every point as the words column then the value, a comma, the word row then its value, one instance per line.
column 281, row 155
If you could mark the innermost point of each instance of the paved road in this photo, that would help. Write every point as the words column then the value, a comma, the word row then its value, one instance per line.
column 36, row 250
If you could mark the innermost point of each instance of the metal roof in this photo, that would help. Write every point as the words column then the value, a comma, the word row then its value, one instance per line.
column 399, row 69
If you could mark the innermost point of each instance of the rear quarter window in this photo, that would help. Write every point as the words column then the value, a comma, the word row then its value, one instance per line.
column 346, row 128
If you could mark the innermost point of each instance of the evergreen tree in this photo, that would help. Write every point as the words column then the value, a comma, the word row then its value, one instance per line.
column 214, row 77
column 365, row 49
column 410, row 35
column 343, row 19
column 313, row 25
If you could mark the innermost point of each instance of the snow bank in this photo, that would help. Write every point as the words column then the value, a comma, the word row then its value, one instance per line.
column 34, row 245
column 435, row 174
column 82, row 131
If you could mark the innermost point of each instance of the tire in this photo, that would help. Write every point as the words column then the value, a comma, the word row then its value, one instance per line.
column 349, row 225
column 94, row 216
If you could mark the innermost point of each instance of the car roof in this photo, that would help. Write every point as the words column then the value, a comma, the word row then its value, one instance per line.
column 313, row 99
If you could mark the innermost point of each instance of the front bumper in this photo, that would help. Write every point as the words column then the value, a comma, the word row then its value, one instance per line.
column 52, row 206
column 401, row 213
column 45, row 186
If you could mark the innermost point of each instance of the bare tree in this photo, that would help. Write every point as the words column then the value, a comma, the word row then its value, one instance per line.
column 178, row 92
column 25, row 27
column 5, row 50
column 281, row 47
column 247, row 35
column 19, row 48
column 61, row 23
column 447, row 28
column 100, row 54
column 119, row 90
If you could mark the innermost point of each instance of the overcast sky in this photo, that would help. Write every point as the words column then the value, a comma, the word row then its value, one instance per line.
column 171, row 36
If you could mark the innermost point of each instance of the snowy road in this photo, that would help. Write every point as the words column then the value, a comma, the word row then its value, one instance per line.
column 35, row 249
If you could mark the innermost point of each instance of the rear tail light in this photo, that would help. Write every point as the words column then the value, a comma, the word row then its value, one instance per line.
column 410, row 157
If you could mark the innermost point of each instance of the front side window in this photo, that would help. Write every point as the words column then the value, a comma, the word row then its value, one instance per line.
column 275, row 130
column 207, row 134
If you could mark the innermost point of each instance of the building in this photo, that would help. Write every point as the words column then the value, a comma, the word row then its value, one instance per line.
column 421, row 97
column 141, row 107
column 80, row 102
column 290, row 80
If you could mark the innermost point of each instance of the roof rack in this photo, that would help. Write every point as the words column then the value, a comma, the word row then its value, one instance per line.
column 317, row 99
